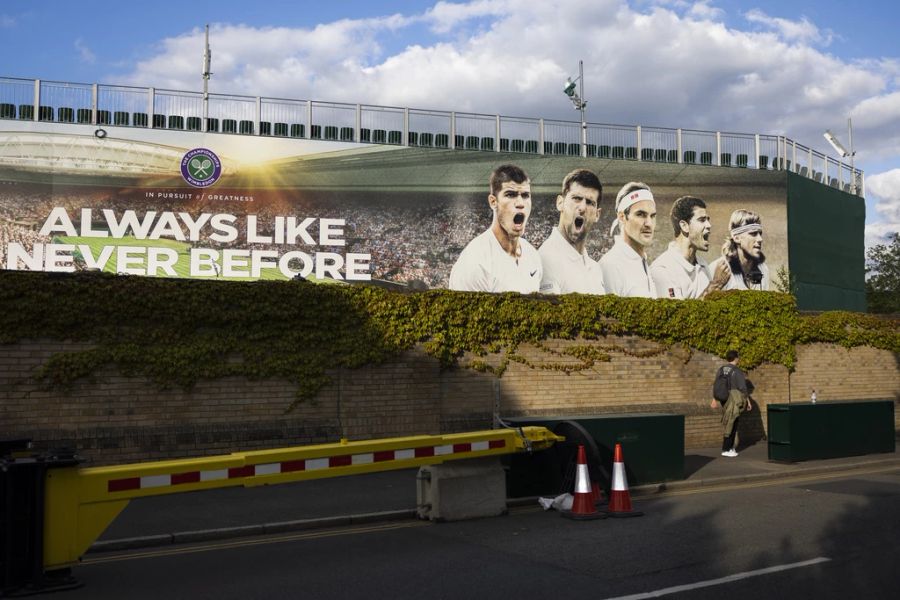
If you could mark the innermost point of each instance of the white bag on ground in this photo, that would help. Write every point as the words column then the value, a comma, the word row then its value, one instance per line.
column 561, row 502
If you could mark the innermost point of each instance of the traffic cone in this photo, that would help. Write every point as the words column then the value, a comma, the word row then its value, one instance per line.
column 583, row 504
column 619, row 496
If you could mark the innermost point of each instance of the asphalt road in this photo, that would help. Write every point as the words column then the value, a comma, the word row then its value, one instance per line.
column 818, row 537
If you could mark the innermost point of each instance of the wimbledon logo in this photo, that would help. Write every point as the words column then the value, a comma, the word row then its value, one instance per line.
column 201, row 167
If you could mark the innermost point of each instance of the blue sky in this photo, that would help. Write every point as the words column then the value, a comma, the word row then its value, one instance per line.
column 761, row 66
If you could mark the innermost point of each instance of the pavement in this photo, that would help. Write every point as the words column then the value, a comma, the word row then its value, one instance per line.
column 380, row 497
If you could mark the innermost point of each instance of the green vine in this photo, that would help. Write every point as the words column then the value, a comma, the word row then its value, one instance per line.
column 178, row 332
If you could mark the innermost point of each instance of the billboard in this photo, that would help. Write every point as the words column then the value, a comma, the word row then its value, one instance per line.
column 192, row 205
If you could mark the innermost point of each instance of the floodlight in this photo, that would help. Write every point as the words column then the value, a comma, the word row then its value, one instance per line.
column 569, row 89
column 844, row 153
column 838, row 147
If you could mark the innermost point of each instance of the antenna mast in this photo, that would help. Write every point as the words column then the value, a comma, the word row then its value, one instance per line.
column 207, row 64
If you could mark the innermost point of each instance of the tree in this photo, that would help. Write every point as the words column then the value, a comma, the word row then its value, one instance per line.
column 785, row 281
column 883, row 277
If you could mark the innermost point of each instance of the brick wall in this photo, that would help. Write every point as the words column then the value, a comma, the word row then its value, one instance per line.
column 839, row 373
column 677, row 380
column 111, row 418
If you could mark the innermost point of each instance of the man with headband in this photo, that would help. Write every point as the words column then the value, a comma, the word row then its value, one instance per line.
column 743, row 254
column 567, row 267
column 679, row 272
column 500, row 260
column 624, row 268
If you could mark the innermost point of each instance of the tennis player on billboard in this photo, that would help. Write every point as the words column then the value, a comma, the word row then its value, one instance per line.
column 500, row 259
column 567, row 266
column 624, row 267
column 680, row 272
column 743, row 253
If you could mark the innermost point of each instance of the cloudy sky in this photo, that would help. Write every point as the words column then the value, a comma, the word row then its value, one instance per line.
column 758, row 66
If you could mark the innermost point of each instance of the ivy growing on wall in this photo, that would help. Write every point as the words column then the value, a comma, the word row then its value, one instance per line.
column 177, row 332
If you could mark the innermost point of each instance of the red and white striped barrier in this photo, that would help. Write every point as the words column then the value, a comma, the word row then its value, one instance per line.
column 293, row 466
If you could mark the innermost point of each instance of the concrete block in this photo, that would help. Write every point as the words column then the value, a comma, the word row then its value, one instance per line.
column 466, row 489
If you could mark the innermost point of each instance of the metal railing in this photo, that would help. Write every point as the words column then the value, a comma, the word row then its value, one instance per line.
column 124, row 106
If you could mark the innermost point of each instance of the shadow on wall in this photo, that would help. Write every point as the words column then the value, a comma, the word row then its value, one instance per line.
column 751, row 428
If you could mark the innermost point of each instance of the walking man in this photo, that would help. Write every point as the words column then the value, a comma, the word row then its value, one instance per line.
column 738, row 401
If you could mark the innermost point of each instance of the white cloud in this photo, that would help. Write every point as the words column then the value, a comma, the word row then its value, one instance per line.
column 700, row 9
column 275, row 61
column 7, row 22
column 876, row 126
column 802, row 31
column 84, row 53
column 885, row 188
column 880, row 233
column 671, row 63
column 444, row 16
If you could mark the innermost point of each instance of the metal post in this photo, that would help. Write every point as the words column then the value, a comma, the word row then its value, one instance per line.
column 207, row 64
column 258, row 115
column 777, row 165
column 825, row 175
column 794, row 155
column 309, row 119
column 150, row 102
column 37, row 99
column 358, row 125
column 406, row 127
column 497, row 134
column 583, row 104
column 756, row 146
column 541, row 144
column 852, row 154
column 679, row 146
column 719, row 148
column 95, row 99
column 638, row 130
column 809, row 164
column 452, row 143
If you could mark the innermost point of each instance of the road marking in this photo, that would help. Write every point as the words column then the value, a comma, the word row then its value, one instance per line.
column 722, row 580
column 764, row 483
column 255, row 541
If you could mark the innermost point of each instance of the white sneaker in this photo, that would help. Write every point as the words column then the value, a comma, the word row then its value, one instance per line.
column 730, row 453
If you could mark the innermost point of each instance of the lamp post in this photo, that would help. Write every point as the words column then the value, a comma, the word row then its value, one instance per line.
column 844, row 153
column 207, row 64
column 578, row 102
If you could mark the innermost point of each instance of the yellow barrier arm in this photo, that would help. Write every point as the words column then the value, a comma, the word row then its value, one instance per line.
column 82, row 502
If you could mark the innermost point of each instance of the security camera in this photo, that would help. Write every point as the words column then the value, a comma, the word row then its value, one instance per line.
column 838, row 147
